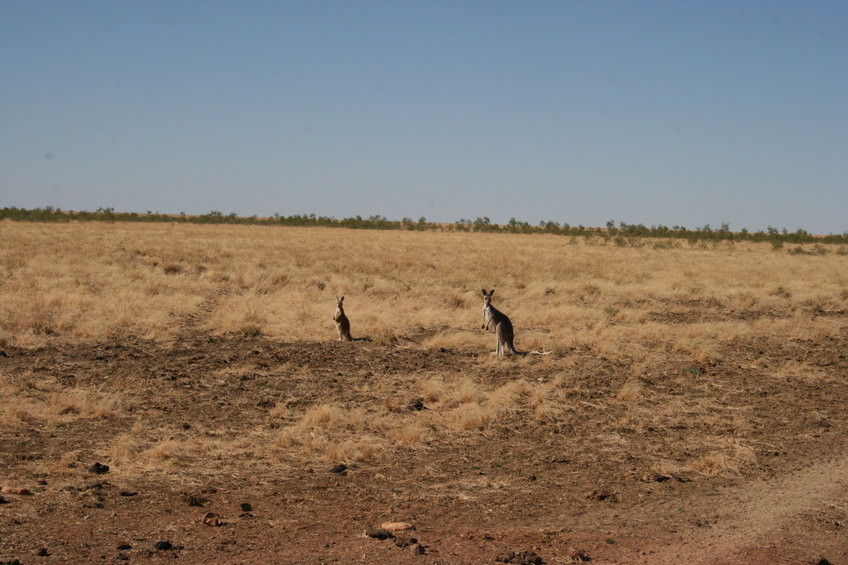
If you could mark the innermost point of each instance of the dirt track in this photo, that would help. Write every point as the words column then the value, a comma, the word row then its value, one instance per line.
column 586, row 481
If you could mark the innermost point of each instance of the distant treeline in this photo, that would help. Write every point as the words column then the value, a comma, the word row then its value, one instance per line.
column 622, row 234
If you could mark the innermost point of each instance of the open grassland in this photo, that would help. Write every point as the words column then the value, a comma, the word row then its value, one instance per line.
column 81, row 283
column 693, row 392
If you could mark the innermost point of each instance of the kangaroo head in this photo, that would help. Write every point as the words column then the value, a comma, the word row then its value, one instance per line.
column 487, row 297
column 339, row 301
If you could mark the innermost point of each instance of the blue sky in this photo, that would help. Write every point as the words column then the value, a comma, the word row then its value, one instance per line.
column 674, row 113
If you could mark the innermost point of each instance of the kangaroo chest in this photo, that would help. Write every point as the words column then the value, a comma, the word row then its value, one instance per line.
column 489, row 314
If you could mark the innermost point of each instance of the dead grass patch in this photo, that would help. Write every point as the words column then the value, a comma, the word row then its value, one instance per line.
column 338, row 433
column 800, row 370
column 729, row 461
column 631, row 391
column 66, row 405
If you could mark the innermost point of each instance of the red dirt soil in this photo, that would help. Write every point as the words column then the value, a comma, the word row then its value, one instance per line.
column 514, row 492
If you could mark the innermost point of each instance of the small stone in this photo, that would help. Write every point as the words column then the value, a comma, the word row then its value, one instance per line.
column 340, row 469
column 16, row 490
column 163, row 546
column 99, row 469
column 417, row 549
column 212, row 519
column 395, row 527
column 417, row 405
column 378, row 533
column 128, row 493
column 246, row 507
column 43, row 552
column 124, row 547
column 578, row 554
column 604, row 495
column 523, row 558
column 403, row 541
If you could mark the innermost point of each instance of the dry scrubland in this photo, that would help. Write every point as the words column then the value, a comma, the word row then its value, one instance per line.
column 92, row 282
column 661, row 357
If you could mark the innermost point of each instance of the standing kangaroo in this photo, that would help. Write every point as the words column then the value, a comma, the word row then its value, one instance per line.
column 496, row 321
column 342, row 323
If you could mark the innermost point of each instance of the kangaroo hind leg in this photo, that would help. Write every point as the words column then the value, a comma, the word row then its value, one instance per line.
column 499, row 334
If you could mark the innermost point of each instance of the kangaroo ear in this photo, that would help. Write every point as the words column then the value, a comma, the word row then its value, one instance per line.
column 337, row 298
column 491, row 293
column 484, row 292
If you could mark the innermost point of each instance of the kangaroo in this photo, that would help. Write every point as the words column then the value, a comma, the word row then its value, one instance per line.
column 498, row 322
column 342, row 323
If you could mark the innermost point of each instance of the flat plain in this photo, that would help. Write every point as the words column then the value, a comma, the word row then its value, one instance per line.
column 693, row 407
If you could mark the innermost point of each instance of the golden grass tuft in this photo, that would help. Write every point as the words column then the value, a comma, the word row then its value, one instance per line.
column 413, row 433
column 730, row 461
column 470, row 417
column 82, row 403
column 467, row 391
column 122, row 448
column 27, row 402
column 467, row 405
column 631, row 391
column 706, row 352
column 800, row 370
column 168, row 449
column 278, row 410
column 14, row 415
column 341, row 434
column 434, row 390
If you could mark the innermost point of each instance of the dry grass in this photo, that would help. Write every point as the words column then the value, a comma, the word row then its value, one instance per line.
column 732, row 460
column 25, row 402
column 638, row 309
column 84, row 282
column 339, row 434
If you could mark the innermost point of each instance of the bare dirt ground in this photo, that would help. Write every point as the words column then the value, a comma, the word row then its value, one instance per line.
column 520, row 491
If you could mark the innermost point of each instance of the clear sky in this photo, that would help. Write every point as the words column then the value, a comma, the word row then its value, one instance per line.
column 676, row 113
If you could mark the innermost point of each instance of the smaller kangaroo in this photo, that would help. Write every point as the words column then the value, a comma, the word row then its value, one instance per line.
column 342, row 323
column 496, row 321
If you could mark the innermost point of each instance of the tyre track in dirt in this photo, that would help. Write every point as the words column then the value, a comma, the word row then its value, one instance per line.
column 747, row 519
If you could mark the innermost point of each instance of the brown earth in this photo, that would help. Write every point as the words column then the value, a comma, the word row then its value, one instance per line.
column 585, row 484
